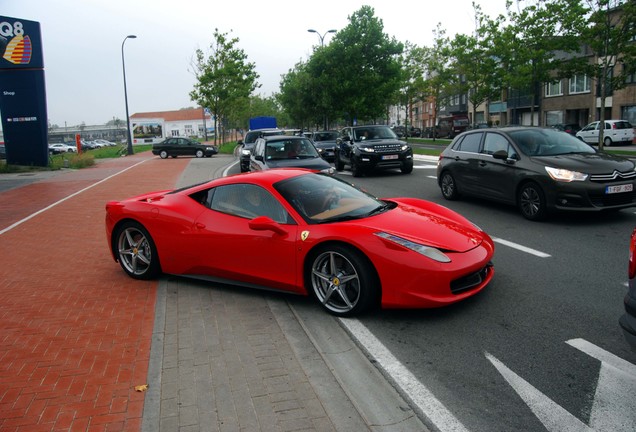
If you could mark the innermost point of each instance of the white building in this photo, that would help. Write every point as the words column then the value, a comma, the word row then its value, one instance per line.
column 153, row 127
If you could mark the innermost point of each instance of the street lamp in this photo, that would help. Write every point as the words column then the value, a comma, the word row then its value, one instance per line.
column 123, row 65
column 321, row 36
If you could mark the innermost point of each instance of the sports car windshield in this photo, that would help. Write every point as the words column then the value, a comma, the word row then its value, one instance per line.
column 548, row 142
column 322, row 198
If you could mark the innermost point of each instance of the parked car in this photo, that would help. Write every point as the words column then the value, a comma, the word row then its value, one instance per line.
column 571, row 128
column 104, row 143
column 3, row 151
column 616, row 131
column 366, row 148
column 247, row 144
column 628, row 320
column 61, row 148
column 183, row 147
column 325, row 142
column 306, row 233
column 285, row 151
column 537, row 169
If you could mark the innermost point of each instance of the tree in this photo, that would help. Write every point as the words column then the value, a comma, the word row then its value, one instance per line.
column 225, row 79
column 535, row 46
column 364, row 71
column 609, row 33
column 475, row 61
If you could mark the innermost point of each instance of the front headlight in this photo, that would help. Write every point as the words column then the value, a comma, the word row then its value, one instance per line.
column 245, row 152
column 329, row 170
column 564, row 175
column 367, row 149
column 405, row 147
column 427, row 251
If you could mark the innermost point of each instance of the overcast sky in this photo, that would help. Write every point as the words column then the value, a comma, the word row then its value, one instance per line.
column 82, row 42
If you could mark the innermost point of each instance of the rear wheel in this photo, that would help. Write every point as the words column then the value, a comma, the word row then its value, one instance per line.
column 448, row 186
column 531, row 202
column 136, row 251
column 343, row 280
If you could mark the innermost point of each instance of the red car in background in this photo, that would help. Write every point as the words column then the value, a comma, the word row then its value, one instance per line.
column 304, row 232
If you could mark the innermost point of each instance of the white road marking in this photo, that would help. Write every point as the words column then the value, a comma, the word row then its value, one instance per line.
column 521, row 248
column 613, row 409
column 31, row 216
column 421, row 396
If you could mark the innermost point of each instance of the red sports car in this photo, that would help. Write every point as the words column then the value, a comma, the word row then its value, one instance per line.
column 304, row 232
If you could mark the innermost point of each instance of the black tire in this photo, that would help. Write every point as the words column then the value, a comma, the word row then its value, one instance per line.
column 342, row 280
column 448, row 186
column 531, row 202
column 356, row 171
column 407, row 168
column 163, row 154
column 338, row 163
column 199, row 153
column 136, row 251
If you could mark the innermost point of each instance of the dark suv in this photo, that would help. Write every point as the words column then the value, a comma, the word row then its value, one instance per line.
column 366, row 148
column 247, row 144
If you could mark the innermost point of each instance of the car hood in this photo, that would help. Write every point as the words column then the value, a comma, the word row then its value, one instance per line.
column 316, row 163
column 589, row 163
column 428, row 227
column 381, row 142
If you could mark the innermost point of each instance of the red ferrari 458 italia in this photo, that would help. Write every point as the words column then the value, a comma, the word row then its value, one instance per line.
column 304, row 232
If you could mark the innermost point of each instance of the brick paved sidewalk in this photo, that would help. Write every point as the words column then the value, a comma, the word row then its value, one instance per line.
column 75, row 331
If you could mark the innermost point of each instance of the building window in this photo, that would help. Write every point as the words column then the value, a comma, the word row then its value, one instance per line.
column 579, row 84
column 553, row 89
column 189, row 130
column 628, row 113
column 174, row 132
column 553, row 117
column 630, row 78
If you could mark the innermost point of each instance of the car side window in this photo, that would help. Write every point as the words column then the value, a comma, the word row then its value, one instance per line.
column 495, row 142
column 247, row 201
column 470, row 143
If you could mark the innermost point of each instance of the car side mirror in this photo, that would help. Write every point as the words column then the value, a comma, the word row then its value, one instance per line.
column 500, row 154
column 264, row 223
column 258, row 157
column 239, row 142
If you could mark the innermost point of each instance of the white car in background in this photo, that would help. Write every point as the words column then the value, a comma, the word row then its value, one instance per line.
column 616, row 131
column 61, row 148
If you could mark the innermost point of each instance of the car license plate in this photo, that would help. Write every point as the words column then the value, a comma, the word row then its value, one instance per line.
column 388, row 157
column 619, row 188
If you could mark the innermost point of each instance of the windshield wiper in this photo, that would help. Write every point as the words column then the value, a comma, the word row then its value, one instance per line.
column 380, row 209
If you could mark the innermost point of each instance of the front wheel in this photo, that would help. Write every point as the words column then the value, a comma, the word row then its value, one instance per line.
column 343, row 281
column 407, row 168
column 199, row 153
column 136, row 251
column 338, row 163
column 356, row 171
column 607, row 142
column 163, row 154
column 532, row 202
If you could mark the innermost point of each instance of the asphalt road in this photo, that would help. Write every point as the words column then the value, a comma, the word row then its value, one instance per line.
column 539, row 349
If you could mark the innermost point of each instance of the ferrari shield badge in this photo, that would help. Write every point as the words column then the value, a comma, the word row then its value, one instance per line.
column 304, row 235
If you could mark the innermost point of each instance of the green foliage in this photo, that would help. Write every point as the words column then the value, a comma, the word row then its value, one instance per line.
column 225, row 80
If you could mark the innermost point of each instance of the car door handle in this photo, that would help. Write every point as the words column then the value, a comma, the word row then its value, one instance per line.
column 199, row 225
column 482, row 163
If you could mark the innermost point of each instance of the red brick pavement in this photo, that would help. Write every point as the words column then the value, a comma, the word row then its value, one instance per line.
column 75, row 331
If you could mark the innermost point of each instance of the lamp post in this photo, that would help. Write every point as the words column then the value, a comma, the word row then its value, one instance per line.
column 321, row 36
column 123, row 65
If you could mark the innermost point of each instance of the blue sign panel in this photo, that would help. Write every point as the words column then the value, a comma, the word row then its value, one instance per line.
column 22, row 92
column 24, row 118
